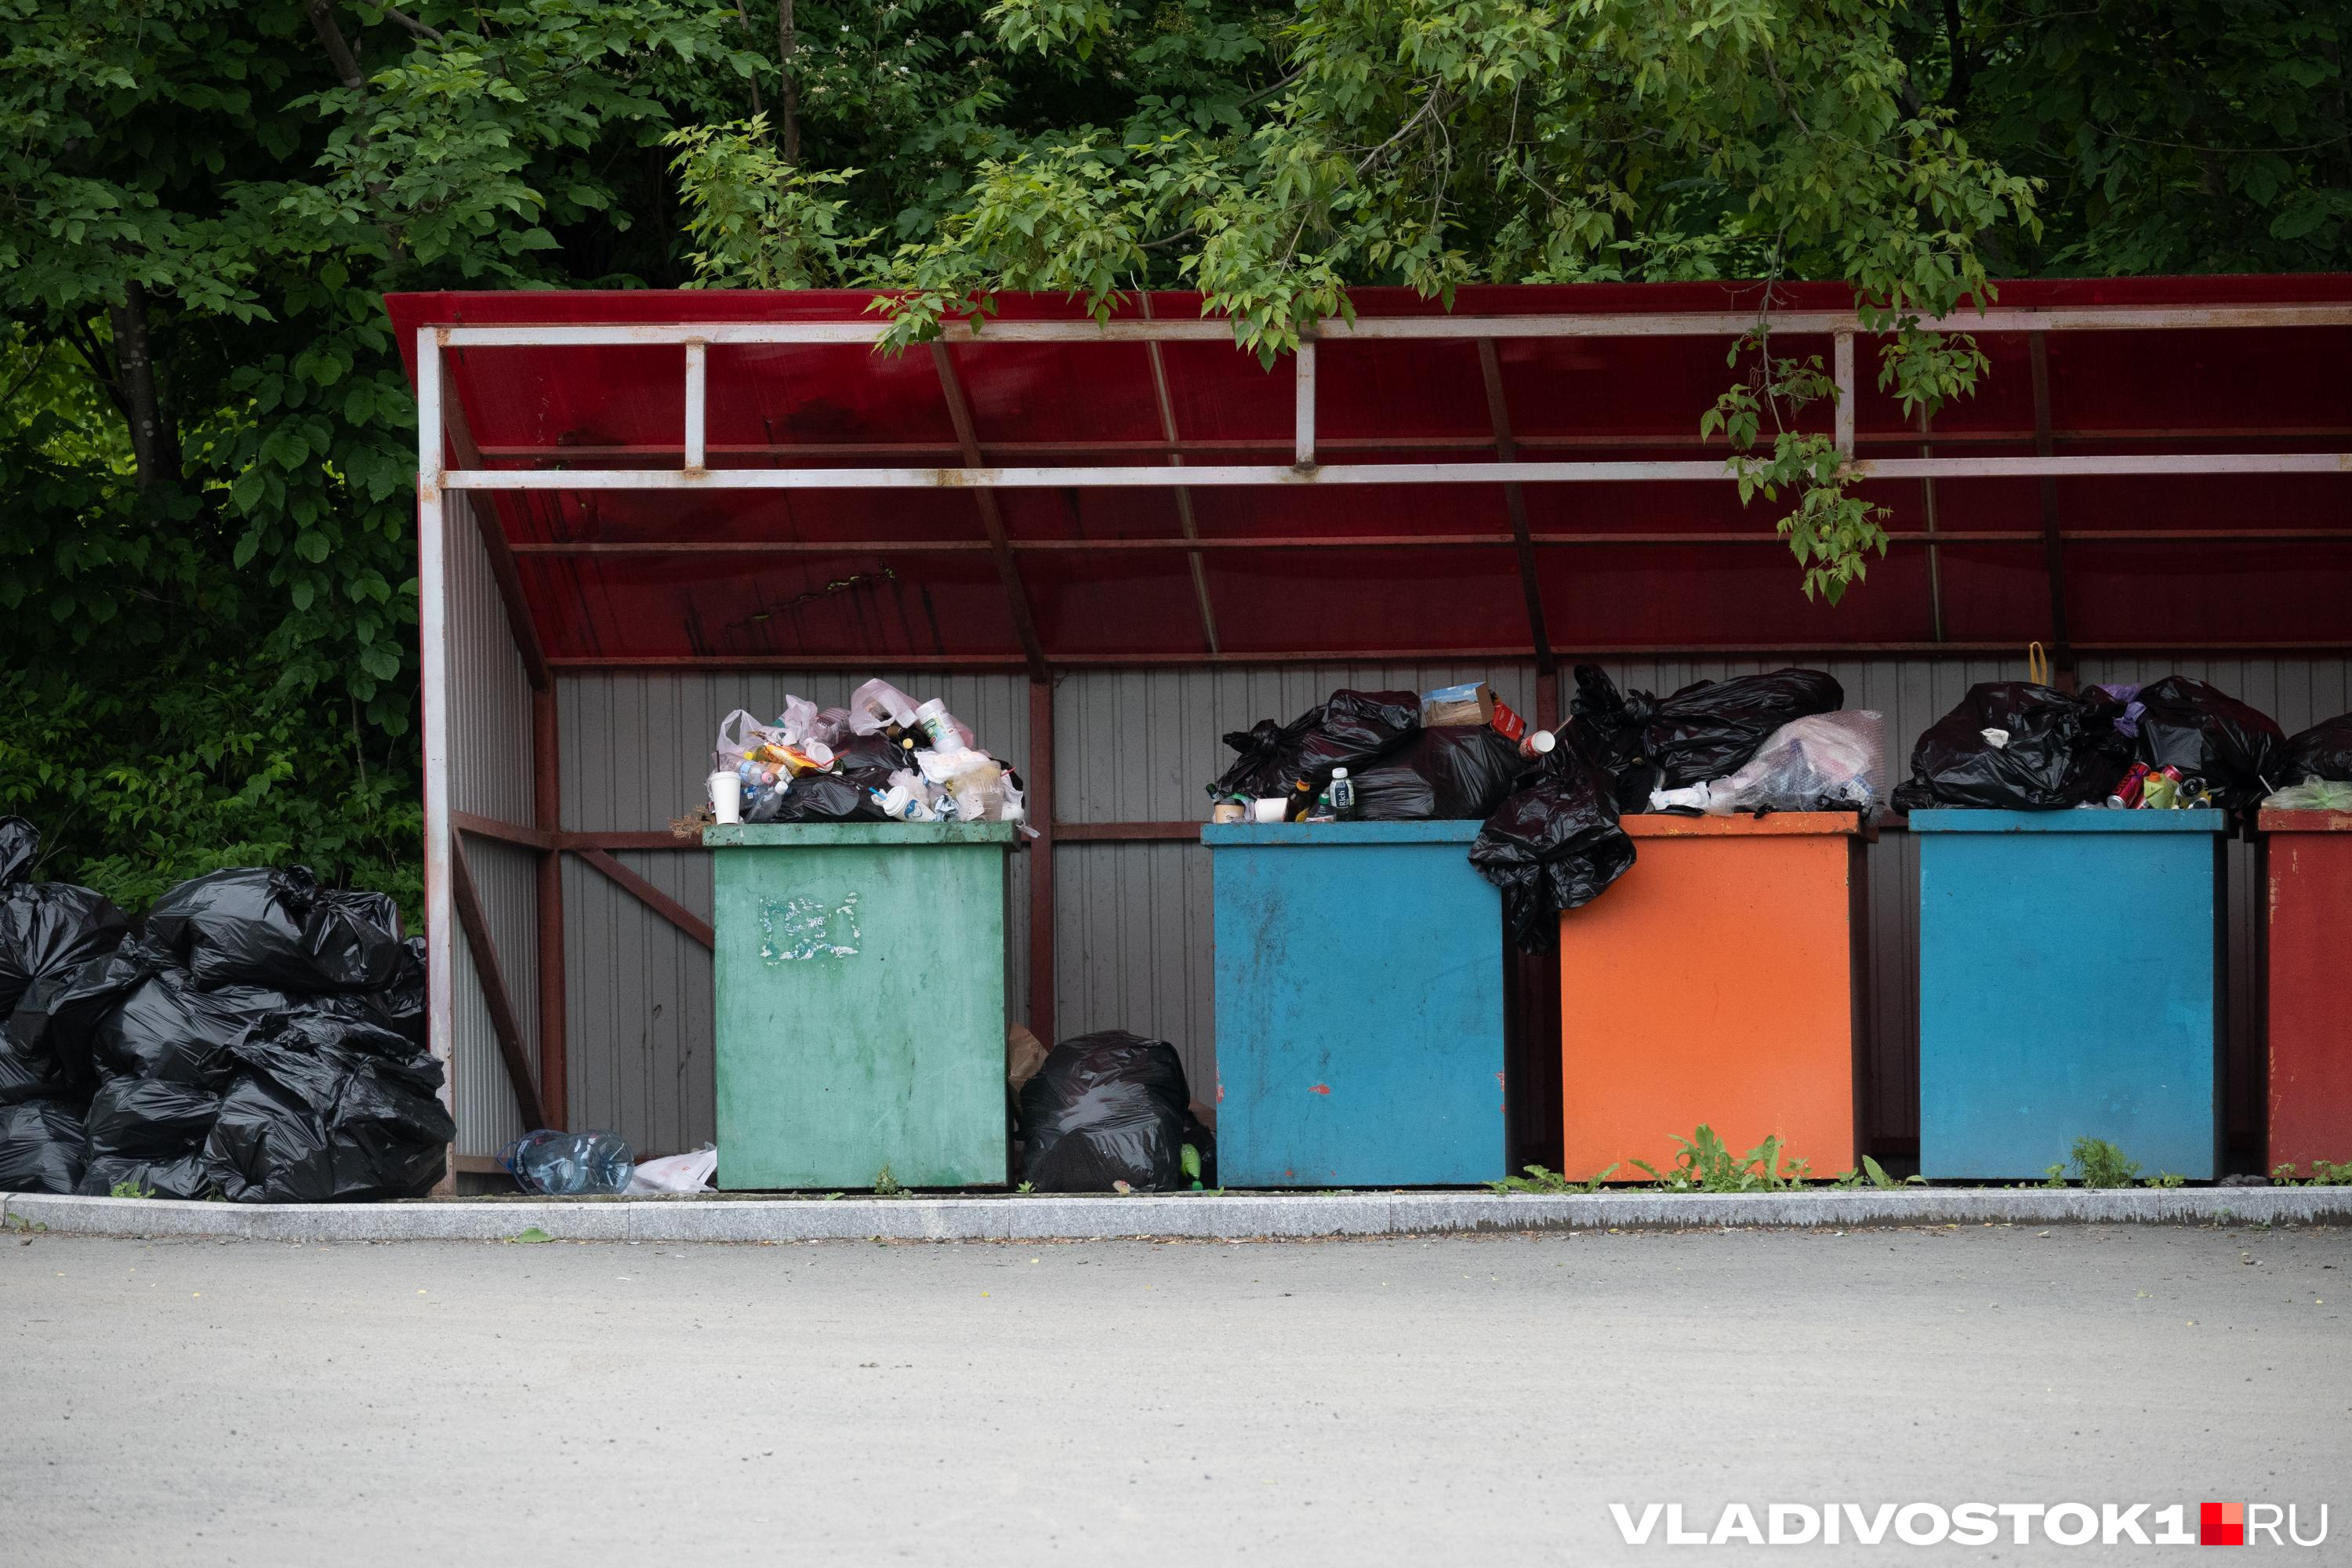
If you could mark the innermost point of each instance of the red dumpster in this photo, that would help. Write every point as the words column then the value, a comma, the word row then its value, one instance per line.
column 2310, row 937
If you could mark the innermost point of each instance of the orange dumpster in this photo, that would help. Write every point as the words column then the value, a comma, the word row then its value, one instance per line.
column 1715, row 983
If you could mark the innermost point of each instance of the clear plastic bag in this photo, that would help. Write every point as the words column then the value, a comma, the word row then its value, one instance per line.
column 570, row 1164
column 675, row 1172
column 877, row 705
column 1823, row 762
column 2311, row 795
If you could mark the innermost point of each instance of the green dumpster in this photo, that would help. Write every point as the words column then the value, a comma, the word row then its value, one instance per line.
column 860, row 970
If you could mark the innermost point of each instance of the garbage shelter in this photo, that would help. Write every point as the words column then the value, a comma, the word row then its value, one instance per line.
column 1106, row 545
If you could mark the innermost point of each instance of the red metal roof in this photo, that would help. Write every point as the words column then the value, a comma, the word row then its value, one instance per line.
column 2258, row 390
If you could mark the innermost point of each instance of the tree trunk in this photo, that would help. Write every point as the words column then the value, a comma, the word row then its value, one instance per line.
column 154, row 440
column 789, row 109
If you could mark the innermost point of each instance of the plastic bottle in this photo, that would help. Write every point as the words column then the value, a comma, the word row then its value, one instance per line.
column 1342, row 794
column 933, row 719
column 1302, row 801
column 568, row 1164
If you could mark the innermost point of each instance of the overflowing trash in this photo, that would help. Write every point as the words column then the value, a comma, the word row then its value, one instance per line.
column 2311, row 795
column 1705, row 731
column 2221, row 752
column 1450, row 773
column 884, row 758
column 572, row 1165
column 2178, row 743
column 1283, row 771
column 2322, row 751
column 1823, row 762
column 1109, row 1111
column 1555, row 844
column 2012, row 745
column 262, row 1040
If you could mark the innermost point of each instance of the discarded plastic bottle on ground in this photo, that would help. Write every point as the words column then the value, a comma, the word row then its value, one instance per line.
column 570, row 1164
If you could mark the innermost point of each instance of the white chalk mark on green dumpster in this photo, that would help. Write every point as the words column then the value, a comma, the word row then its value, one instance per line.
column 801, row 929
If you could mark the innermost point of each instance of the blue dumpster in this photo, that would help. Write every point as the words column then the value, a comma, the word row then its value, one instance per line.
column 2071, row 977
column 1360, row 1005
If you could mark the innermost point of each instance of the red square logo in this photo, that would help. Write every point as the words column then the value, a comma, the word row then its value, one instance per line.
column 2222, row 1524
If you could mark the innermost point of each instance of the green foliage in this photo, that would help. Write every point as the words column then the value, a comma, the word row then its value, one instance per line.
column 130, row 1189
column 886, row 1185
column 2098, row 1164
column 2167, row 1179
column 2324, row 1174
column 1870, row 1174
column 1704, row 1165
column 1550, row 1183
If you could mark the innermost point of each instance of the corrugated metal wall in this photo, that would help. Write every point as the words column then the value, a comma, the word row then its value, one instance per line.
column 1132, row 919
column 489, row 775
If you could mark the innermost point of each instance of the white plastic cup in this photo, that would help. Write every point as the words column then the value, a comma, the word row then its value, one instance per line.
column 1270, row 809
column 727, row 796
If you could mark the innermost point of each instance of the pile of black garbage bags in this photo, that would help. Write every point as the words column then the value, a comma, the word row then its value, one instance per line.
column 261, row 1039
column 2012, row 745
column 1112, row 1109
column 1551, row 839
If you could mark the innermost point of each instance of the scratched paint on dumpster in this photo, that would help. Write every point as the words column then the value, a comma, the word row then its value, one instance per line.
column 795, row 929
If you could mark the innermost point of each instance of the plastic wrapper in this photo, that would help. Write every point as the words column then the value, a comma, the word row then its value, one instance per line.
column 2046, row 750
column 877, row 705
column 1106, row 1107
column 1826, row 761
column 2240, row 752
column 1553, row 846
column 2311, row 795
column 1708, row 730
column 1452, row 774
column 42, row 1147
column 2322, row 751
column 281, row 929
column 327, row 1110
column 570, row 1164
column 675, row 1172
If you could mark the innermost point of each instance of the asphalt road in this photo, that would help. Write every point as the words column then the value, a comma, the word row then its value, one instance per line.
column 1461, row 1401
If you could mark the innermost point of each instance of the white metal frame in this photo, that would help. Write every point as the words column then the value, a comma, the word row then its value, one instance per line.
column 435, row 477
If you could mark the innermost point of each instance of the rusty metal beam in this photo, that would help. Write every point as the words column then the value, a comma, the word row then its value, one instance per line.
column 866, row 332
column 645, row 893
column 1039, row 777
column 547, row 809
column 2054, row 550
column 1017, row 596
column 1515, row 503
column 1183, row 497
column 476, row 924
column 521, row 626
column 1745, row 537
column 504, row 832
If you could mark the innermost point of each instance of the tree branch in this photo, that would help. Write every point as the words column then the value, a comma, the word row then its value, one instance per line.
column 409, row 22
column 789, row 106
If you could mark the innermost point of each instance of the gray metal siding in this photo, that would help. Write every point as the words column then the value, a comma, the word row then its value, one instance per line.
column 489, row 775
column 1132, row 948
column 636, row 749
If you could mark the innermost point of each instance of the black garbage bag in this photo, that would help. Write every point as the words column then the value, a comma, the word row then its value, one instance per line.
column 2322, row 751
column 1351, row 731
column 137, row 1118
column 26, row 1074
column 1555, row 844
column 188, row 1176
column 2239, row 751
column 59, row 1017
column 165, row 1030
column 1452, row 773
column 280, row 929
column 1105, row 1107
column 329, row 1109
column 1705, row 731
column 820, row 797
column 47, row 929
column 42, row 1147
column 2053, row 751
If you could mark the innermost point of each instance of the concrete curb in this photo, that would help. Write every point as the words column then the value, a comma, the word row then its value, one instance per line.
column 1183, row 1217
